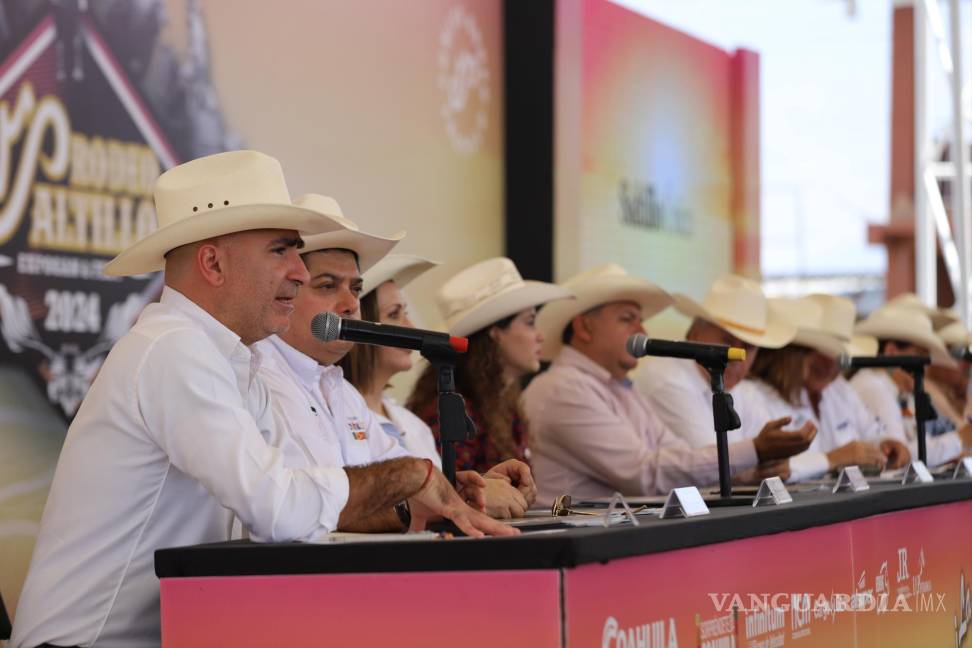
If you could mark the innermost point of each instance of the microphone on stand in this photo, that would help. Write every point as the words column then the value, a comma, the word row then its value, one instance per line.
column 640, row 345
column 328, row 327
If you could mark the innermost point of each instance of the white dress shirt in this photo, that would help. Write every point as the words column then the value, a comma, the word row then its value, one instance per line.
column 682, row 398
column 879, row 393
column 592, row 435
column 409, row 431
column 168, row 445
column 766, row 404
column 321, row 419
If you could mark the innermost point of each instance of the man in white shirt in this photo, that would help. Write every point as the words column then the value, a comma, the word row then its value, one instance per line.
column 736, row 313
column 170, row 442
column 591, row 433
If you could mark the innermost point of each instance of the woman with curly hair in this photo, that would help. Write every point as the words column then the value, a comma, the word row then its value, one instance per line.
column 496, row 309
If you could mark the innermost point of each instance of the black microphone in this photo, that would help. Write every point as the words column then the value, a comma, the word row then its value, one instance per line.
column 908, row 362
column 328, row 327
column 961, row 353
column 706, row 354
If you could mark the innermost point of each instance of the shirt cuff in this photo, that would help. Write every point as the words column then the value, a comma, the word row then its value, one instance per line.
column 742, row 456
column 808, row 465
column 335, row 490
column 939, row 449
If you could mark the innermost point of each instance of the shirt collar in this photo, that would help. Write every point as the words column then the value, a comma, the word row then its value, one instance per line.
column 306, row 368
column 227, row 342
column 571, row 357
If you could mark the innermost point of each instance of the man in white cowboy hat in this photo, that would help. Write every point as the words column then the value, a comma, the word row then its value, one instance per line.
column 321, row 418
column 847, row 432
column 949, row 386
column 591, row 432
column 734, row 313
column 169, row 444
column 904, row 330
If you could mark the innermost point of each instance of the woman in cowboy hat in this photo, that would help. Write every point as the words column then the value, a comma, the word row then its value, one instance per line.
column 736, row 313
column 509, row 488
column 907, row 330
column 800, row 380
column 495, row 308
column 592, row 433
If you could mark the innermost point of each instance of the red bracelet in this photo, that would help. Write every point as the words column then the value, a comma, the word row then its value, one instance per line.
column 428, row 476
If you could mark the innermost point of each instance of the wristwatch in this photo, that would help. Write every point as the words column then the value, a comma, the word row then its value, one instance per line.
column 404, row 514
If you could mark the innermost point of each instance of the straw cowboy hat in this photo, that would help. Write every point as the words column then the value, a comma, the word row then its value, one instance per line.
column 216, row 195
column 739, row 306
column 939, row 316
column 816, row 328
column 601, row 285
column 369, row 248
column 955, row 336
column 863, row 345
column 400, row 268
column 488, row 291
column 908, row 325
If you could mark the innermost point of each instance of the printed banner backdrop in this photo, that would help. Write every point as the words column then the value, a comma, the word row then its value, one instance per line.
column 891, row 581
column 393, row 108
column 648, row 122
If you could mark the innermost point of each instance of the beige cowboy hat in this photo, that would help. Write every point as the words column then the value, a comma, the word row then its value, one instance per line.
column 739, row 306
column 816, row 328
column 488, row 291
column 216, row 195
column 601, row 285
column 908, row 325
column 955, row 336
column 939, row 316
column 400, row 268
column 863, row 345
column 369, row 248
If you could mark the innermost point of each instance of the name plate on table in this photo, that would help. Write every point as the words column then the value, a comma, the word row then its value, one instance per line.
column 963, row 468
column 851, row 479
column 772, row 492
column 917, row 472
column 684, row 502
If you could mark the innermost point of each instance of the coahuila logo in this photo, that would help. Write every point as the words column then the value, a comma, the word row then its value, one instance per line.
column 464, row 80
column 655, row 634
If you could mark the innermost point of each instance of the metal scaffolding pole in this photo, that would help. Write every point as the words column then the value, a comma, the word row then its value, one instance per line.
column 961, row 217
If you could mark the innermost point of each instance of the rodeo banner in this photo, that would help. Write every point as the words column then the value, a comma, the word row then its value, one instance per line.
column 93, row 107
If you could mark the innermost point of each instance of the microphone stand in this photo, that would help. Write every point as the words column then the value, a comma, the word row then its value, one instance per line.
column 725, row 418
column 924, row 410
column 454, row 425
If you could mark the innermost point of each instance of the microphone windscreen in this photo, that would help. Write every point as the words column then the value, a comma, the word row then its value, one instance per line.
column 636, row 344
column 844, row 362
column 326, row 327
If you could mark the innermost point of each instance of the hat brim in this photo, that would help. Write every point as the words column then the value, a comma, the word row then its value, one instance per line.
column 826, row 344
column 863, row 345
column 400, row 268
column 882, row 331
column 777, row 334
column 370, row 248
column 505, row 303
column 148, row 254
column 554, row 318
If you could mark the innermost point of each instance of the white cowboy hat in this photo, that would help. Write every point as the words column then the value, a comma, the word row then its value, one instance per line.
column 488, row 291
column 939, row 316
column 863, row 345
column 601, row 285
column 955, row 336
column 212, row 196
column 908, row 325
column 400, row 268
column 814, row 329
column 739, row 306
column 369, row 248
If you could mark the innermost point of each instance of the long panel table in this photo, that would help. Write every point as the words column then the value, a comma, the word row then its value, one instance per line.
column 886, row 567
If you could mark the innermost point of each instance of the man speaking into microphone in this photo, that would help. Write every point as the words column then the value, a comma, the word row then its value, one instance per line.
column 592, row 434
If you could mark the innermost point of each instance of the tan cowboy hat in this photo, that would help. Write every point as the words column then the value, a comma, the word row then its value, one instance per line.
column 488, row 291
column 216, row 195
column 906, row 324
column 939, row 316
column 863, row 345
column 400, row 268
column 601, row 285
column 739, row 306
column 369, row 248
column 955, row 336
column 815, row 329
